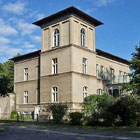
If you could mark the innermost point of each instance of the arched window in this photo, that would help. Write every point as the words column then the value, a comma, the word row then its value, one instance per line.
column 85, row 91
column 56, row 37
column 82, row 37
column 54, row 94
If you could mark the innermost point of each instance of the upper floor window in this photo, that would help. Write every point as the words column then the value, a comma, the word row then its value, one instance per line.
column 54, row 94
column 84, row 91
column 125, row 77
column 54, row 66
column 84, row 65
column 112, row 75
column 25, row 97
column 97, row 70
column 56, row 37
column 102, row 72
column 82, row 37
column 25, row 74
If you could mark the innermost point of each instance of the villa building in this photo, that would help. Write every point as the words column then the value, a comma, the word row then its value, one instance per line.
column 68, row 67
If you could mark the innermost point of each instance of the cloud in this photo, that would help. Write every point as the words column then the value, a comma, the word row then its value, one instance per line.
column 17, row 8
column 36, row 15
column 6, row 29
column 36, row 38
column 10, row 51
column 28, row 45
column 40, row 16
column 89, row 11
column 4, row 41
column 104, row 2
column 25, row 28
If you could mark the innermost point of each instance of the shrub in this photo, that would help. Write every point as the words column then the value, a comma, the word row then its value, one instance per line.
column 13, row 115
column 96, row 110
column 75, row 118
column 127, row 108
column 58, row 112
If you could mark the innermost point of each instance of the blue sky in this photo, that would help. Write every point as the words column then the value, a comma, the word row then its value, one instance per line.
column 119, row 34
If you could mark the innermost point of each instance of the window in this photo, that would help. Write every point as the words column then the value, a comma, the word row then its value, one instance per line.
column 102, row 72
column 25, row 74
column 56, row 37
column 125, row 77
column 82, row 37
column 120, row 77
column 25, row 97
column 107, row 74
column 54, row 66
column 97, row 70
column 112, row 75
column 99, row 91
column 54, row 94
column 84, row 91
column 84, row 65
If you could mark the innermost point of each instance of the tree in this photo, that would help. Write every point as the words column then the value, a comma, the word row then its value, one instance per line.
column 134, row 85
column 7, row 77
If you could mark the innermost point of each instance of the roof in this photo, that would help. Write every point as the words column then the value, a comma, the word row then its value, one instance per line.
column 69, row 11
column 112, row 57
column 26, row 56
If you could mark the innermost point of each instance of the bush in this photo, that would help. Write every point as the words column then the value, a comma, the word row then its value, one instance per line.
column 96, row 110
column 58, row 112
column 13, row 115
column 127, row 108
column 75, row 118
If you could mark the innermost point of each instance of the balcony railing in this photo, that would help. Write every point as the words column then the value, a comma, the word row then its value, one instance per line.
column 111, row 78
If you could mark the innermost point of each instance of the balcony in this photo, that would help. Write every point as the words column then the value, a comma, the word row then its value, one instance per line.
column 111, row 78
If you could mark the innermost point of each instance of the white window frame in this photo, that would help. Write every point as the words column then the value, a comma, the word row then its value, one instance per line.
column 85, row 91
column 99, row 91
column 54, row 94
column 54, row 66
column 85, row 65
column 56, row 39
column 83, row 33
column 26, row 100
column 125, row 77
column 25, row 74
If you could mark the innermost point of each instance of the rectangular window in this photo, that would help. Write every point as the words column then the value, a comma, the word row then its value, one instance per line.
column 99, row 91
column 25, row 74
column 112, row 75
column 25, row 97
column 97, row 70
column 54, row 94
column 120, row 77
column 84, row 65
column 54, row 66
column 107, row 74
column 125, row 77
column 102, row 72
column 85, row 92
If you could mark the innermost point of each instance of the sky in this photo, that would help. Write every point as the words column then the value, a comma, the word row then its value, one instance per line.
column 119, row 34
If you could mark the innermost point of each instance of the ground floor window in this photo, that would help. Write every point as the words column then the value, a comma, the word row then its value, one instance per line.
column 25, row 97
column 99, row 91
column 84, row 91
column 54, row 94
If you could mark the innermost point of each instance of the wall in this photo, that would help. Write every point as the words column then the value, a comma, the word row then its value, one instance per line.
column 7, row 105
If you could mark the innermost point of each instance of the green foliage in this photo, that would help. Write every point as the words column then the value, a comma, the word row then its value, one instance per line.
column 75, row 118
column 58, row 111
column 96, row 109
column 7, row 77
column 13, row 115
column 127, row 108
column 134, row 85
